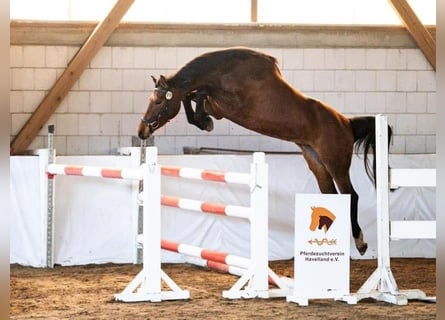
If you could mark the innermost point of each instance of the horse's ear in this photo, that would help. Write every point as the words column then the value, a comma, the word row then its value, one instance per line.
column 162, row 82
column 154, row 79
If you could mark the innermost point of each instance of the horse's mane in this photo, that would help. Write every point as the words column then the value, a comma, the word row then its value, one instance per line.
column 216, row 61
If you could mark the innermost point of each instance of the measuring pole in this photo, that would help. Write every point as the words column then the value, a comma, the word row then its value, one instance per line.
column 51, row 202
column 140, row 250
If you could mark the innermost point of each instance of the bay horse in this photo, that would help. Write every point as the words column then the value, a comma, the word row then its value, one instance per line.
column 246, row 86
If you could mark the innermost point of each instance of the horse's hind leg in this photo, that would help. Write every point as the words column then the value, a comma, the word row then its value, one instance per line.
column 338, row 168
column 344, row 184
column 324, row 179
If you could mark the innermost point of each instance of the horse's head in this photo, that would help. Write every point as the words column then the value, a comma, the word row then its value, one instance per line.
column 163, row 105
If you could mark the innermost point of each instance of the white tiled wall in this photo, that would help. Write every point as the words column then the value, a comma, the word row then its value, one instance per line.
column 102, row 110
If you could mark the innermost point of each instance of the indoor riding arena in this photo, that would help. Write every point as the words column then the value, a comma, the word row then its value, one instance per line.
column 192, row 159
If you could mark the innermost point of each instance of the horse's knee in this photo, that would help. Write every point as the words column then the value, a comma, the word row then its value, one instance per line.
column 204, row 123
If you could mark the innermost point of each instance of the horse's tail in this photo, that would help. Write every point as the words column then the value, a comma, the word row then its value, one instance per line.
column 363, row 129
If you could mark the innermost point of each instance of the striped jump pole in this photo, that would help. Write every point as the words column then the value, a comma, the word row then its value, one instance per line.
column 94, row 171
column 213, row 265
column 215, row 260
column 204, row 207
column 208, row 175
column 211, row 255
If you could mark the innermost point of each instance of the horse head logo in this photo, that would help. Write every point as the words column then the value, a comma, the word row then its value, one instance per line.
column 321, row 217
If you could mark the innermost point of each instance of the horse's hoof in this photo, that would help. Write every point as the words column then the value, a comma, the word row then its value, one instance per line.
column 363, row 248
column 360, row 244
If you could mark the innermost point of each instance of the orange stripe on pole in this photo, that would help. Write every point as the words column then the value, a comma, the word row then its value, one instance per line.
column 170, row 171
column 214, row 256
column 221, row 267
column 111, row 173
column 170, row 201
column 169, row 245
column 73, row 171
column 213, row 176
column 213, row 208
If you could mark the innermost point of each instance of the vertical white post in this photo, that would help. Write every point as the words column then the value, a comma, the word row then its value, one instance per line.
column 387, row 283
column 381, row 285
column 51, row 200
column 141, row 153
column 152, row 226
column 43, row 163
column 382, row 192
column 136, row 207
column 47, row 200
column 259, row 247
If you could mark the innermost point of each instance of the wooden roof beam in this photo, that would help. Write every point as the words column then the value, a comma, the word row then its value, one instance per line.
column 417, row 30
column 71, row 74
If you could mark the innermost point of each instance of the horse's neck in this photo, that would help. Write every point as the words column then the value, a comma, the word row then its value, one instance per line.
column 187, row 80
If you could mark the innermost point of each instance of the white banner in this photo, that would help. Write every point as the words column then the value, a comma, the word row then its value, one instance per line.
column 322, row 245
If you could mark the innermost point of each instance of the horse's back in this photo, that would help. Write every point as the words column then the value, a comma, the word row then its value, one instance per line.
column 236, row 65
column 238, row 54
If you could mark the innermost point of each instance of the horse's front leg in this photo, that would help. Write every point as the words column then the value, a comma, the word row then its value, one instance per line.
column 200, row 113
column 199, row 117
column 189, row 112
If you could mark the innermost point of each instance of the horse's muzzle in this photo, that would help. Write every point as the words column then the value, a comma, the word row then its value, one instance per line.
column 144, row 131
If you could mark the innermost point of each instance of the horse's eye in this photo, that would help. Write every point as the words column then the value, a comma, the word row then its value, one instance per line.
column 158, row 101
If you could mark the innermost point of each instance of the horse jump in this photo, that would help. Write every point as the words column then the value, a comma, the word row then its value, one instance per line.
column 255, row 273
column 381, row 285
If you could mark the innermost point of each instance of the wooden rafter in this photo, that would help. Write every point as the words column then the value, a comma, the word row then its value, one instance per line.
column 71, row 74
column 423, row 38
column 253, row 10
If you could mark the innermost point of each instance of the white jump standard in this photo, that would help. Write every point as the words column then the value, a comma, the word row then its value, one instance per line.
column 255, row 274
column 145, row 290
column 381, row 285
column 147, row 285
